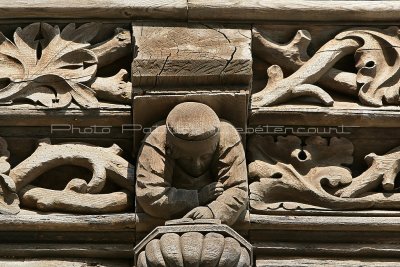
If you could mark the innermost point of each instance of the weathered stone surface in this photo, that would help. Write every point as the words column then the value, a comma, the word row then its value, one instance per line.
column 63, row 262
column 292, row 11
column 189, row 55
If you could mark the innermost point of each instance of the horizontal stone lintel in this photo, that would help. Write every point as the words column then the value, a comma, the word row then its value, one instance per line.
column 204, row 10
column 339, row 115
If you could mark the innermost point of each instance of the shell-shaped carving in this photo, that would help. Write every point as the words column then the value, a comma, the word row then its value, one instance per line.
column 193, row 249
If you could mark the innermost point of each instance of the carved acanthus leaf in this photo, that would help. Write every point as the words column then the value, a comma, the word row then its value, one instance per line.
column 53, row 67
column 63, row 66
column 378, row 64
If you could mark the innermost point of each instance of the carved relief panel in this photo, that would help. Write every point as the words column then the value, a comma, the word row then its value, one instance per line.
column 197, row 94
column 54, row 65
column 320, row 97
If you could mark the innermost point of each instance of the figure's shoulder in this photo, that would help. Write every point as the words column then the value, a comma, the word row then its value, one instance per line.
column 156, row 135
column 228, row 134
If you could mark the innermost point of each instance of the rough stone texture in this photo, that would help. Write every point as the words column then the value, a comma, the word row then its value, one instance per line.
column 190, row 55
column 63, row 262
column 293, row 11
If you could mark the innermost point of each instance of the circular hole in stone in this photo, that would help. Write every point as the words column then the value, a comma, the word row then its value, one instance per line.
column 370, row 64
column 302, row 155
column 277, row 175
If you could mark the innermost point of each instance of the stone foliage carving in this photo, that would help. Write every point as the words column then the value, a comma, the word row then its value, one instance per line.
column 54, row 67
column 9, row 202
column 376, row 54
column 287, row 173
column 193, row 243
column 78, row 196
column 192, row 165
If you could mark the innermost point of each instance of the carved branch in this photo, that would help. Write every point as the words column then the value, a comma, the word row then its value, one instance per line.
column 78, row 196
column 293, row 55
column 377, row 56
column 383, row 170
column 300, row 83
column 103, row 162
column 114, row 88
column 113, row 49
column 69, row 200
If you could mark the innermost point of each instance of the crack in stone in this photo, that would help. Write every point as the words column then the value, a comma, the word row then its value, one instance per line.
column 228, row 61
column 162, row 69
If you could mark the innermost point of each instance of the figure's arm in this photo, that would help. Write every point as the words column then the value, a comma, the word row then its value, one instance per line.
column 153, row 186
column 232, row 173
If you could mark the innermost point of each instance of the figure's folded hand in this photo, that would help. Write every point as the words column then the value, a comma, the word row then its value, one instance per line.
column 200, row 213
column 210, row 192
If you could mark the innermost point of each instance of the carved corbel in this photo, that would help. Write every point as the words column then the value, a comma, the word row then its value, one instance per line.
column 188, row 242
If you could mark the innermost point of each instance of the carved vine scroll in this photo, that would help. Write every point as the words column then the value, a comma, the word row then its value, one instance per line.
column 377, row 57
column 53, row 67
column 287, row 173
column 79, row 196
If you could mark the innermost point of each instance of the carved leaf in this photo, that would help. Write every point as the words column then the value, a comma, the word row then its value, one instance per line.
column 320, row 181
column 316, row 151
column 303, row 173
column 61, row 63
column 9, row 201
column 378, row 64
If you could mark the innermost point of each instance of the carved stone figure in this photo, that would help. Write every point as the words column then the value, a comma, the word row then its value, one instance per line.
column 288, row 174
column 186, row 242
column 192, row 165
column 377, row 57
column 78, row 196
column 53, row 67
